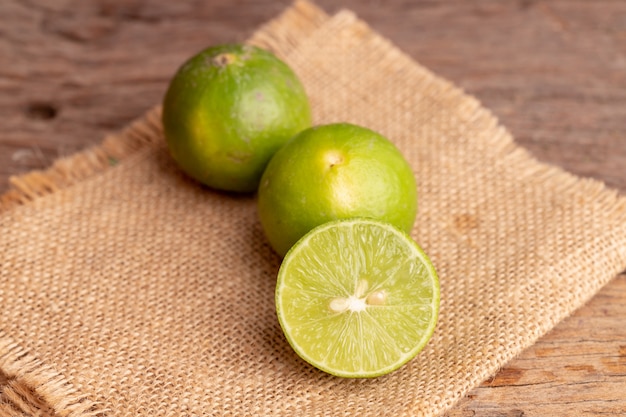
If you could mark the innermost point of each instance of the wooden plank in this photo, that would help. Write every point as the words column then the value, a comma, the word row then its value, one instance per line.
column 553, row 71
column 578, row 369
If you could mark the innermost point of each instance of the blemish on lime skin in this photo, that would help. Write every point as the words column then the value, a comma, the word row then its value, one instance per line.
column 333, row 158
column 239, row 158
column 223, row 60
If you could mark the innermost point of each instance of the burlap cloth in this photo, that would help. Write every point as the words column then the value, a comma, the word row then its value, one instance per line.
column 128, row 290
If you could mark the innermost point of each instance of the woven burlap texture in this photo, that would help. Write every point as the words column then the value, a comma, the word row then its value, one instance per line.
column 128, row 290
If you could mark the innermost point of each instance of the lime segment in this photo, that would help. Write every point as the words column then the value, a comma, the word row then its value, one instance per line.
column 357, row 298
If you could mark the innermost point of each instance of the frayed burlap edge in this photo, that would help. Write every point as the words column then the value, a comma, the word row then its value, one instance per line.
column 75, row 168
column 32, row 388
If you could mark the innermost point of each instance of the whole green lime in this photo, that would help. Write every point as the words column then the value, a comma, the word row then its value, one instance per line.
column 227, row 110
column 331, row 172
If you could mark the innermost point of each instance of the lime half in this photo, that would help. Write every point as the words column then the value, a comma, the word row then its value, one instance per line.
column 357, row 298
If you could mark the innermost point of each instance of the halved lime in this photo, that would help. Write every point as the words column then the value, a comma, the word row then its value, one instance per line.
column 357, row 298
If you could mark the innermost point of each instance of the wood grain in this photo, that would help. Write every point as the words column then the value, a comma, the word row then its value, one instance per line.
column 553, row 71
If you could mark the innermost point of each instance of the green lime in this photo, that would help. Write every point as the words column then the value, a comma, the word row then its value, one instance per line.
column 357, row 298
column 226, row 112
column 331, row 172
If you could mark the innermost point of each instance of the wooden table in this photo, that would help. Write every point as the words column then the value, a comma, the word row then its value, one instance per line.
column 553, row 71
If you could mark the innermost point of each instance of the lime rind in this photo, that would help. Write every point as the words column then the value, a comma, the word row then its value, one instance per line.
column 357, row 298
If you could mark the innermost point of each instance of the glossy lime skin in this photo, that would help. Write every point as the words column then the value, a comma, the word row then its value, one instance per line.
column 227, row 110
column 332, row 172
